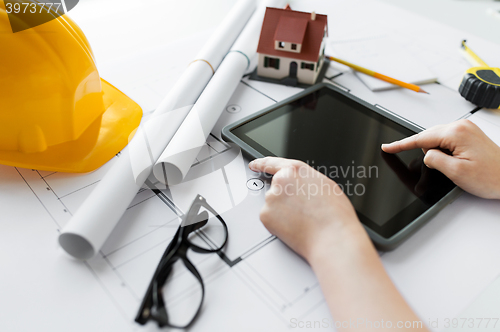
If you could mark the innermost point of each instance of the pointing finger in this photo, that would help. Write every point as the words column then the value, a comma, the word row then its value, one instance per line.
column 428, row 139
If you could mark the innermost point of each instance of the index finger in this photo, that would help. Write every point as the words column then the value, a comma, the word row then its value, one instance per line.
column 428, row 139
column 272, row 165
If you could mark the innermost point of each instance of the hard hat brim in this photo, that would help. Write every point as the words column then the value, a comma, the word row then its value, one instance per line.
column 107, row 136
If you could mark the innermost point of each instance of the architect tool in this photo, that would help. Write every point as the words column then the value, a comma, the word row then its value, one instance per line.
column 480, row 85
column 382, row 77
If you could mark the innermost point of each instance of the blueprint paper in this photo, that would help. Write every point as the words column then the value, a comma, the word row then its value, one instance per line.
column 261, row 276
column 262, row 284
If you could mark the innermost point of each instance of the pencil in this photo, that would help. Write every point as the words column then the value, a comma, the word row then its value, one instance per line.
column 382, row 77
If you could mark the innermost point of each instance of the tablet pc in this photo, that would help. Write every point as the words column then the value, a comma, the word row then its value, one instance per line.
column 340, row 135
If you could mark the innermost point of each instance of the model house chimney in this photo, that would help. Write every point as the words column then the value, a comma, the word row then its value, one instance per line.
column 313, row 16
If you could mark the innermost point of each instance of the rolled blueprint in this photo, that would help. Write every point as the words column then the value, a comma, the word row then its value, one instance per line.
column 94, row 221
column 174, row 163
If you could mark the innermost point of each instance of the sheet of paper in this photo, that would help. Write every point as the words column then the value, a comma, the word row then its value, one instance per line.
column 439, row 270
column 387, row 56
column 481, row 315
column 433, row 47
column 443, row 267
column 250, row 277
column 489, row 122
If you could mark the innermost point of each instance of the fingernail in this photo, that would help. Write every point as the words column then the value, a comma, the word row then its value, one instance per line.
column 251, row 165
column 384, row 146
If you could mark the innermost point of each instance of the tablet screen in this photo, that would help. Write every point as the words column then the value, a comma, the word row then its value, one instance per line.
column 341, row 138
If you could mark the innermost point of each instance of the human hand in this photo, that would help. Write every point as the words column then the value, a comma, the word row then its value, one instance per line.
column 474, row 163
column 305, row 209
column 311, row 214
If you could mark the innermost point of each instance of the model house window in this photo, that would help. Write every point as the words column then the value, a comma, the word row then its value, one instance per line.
column 294, row 46
column 317, row 65
column 281, row 44
column 272, row 62
column 309, row 66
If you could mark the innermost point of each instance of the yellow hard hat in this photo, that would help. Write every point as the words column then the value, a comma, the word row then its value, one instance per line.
column 56, row 113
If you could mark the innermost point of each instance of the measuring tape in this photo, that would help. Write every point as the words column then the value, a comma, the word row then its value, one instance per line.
column 480, row 85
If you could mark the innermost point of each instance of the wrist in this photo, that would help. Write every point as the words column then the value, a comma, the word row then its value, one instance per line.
column 345, row 240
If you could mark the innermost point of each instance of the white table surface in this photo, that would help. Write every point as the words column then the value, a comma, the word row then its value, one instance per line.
column 118, row 28
column 467, row 15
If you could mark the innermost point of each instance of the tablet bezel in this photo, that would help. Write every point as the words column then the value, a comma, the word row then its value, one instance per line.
column 383, row 243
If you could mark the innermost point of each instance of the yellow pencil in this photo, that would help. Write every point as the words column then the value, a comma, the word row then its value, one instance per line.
column 382, row 77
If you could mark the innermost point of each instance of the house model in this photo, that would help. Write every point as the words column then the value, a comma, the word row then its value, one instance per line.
column 291, row 46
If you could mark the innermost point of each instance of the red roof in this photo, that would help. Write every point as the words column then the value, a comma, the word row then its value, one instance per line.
column 291, row 29
column 292, row 26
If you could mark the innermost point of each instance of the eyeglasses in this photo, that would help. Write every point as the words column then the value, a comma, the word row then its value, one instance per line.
column 202, row 233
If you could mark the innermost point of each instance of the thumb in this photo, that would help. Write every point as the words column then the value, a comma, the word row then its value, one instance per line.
column 271, row 165
column 441, row 161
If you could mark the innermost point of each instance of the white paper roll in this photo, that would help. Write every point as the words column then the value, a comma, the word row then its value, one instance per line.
column 174, row 163
column 94, row 221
